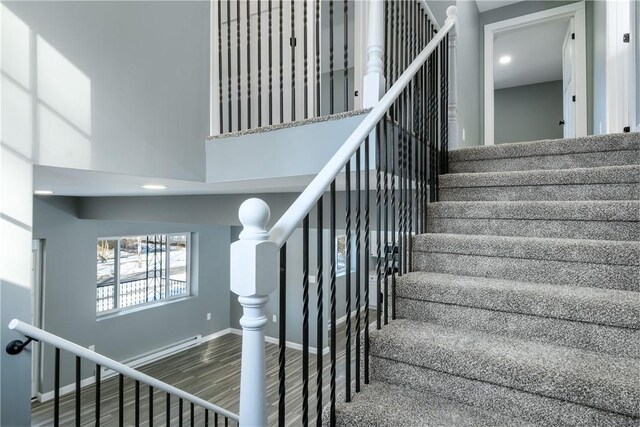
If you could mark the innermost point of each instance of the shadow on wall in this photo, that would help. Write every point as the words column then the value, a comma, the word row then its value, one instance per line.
column 46, row 100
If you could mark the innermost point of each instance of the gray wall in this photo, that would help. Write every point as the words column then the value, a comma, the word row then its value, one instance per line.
column 146, row 65
column 70, row 290
column 528, row 113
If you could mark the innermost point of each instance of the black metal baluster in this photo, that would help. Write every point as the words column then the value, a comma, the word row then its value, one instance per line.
column 347, row 262
column 238, row 65
column 292, row 43
column 332, row 300
column 319, row 307
column 270, row 25
column 150, row 406
column 305, row 321
column 97, row 410
column 306, row 64
column 206, row 417
column 331, row 82
column 226, row 422
column 445, row 168
column 282, row 326
column 56, row 389
column 367, row 253
column 220, row 65
column 387, row 195
column 191, row 414
column 358, row 264
column 215, row 419
column 281, row 63
column 394, row 245
column 259, row 63
column 137, row 404
column 401, row 140
column 120, row 400
column 168, row 410
column 248, row 61
column 180, row 405
column 78, row 388
column 379, row 224
column 346, row 56
column 317, row 35
column 230, row 112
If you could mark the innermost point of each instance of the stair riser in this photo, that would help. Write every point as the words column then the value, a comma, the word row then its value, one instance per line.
column 559, row 161
column 617, row 191
column 530, row 407
column 598, row 230
column 586, row 336
column 621, row 277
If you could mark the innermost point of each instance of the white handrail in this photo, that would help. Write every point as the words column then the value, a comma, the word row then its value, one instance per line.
column 44, row 336
column 282, row 229
column 427, row 9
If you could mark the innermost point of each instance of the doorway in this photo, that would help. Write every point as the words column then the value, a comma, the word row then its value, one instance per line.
column 535, row 76
column 37, row 265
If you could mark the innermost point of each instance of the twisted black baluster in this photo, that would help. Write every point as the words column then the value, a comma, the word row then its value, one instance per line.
column 270, row 25
column 56, row 390
column 220, row 65
column 150, row 406
column 120, row 400
column 367, row 252
column 168, row 410
column 317, row 31
column 305, row 64
column 331, row 82
column 332, row 299
column 191, row 415
column 78, row 388
column 259, row 64
column 97, row 410
column 358, row 271
column 387, row 194
column 282, row 336
column 248, row 61
column 230, row 113
column 346, row 54
column 180, row 403
column 293, row 60
column 305, row 320
column 281, row 55
column 347, row 262
column 238, row 62
column 319, row 320
column 401, row 139
column 379, row 224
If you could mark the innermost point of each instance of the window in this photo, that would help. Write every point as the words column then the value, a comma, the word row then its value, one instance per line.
column 341, row 254
column 135, row 270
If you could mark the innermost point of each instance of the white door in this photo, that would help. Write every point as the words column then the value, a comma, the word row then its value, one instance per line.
column 569, row 82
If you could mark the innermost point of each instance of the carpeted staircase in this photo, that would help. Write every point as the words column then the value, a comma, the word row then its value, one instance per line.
column 524, row 306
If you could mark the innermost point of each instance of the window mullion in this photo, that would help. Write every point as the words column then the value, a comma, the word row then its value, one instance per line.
column 166, row 268
column 116, row 271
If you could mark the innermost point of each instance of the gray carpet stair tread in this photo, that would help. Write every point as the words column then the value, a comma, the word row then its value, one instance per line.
column 582, row 304
column 590, row 210
column 578, row 376
column 629, row 174
column 549, row 147
column 372, row 407
column 623, row 253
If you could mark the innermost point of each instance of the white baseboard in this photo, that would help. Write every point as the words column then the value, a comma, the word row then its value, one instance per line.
column 289, row 344
column 138, row 361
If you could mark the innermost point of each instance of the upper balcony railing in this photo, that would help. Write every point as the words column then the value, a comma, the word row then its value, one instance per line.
column 280, row 61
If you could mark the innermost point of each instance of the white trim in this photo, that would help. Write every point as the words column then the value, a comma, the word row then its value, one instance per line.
column 576, row 10
column 619, row 84
column 288, row 344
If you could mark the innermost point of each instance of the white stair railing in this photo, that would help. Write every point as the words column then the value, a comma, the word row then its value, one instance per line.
column 255, row 268
column 37, row 334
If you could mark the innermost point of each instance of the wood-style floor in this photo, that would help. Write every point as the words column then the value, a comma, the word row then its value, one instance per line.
column 210, row 371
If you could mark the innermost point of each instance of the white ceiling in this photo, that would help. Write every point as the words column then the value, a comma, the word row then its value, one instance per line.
column 535, row 51
column 484, row 5
column 83, row 183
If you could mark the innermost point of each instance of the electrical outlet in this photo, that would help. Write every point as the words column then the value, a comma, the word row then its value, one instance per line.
column 92, row 348
column 275, row 318
column 208, row 316
column 312, row 279
column 464, row 136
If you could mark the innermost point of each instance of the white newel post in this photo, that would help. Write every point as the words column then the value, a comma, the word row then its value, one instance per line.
column 374, row 83
column 454, row 142
column 253, row 277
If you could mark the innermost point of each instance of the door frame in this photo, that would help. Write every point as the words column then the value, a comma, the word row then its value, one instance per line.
column 575, row 10
column 37, row 293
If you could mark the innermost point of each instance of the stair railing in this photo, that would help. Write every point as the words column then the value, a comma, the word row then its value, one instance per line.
column 210, row 414
column 407, row 131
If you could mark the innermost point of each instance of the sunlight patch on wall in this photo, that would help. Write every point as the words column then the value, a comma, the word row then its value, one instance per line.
column 15, row 120
column 62, row 144
column 15, row 47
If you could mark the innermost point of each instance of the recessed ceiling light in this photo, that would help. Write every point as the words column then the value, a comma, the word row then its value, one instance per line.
column 154, row 187
column 505, row 59
column 43, row 192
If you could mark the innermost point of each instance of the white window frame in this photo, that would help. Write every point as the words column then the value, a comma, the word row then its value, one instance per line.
column 116, row 274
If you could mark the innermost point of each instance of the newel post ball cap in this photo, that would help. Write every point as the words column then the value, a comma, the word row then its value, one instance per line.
column 452, row 11
column 254, row 214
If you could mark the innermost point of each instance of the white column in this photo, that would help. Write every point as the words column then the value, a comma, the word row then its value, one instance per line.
column 253, row 277
column 374, row 83
column 454, row 142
